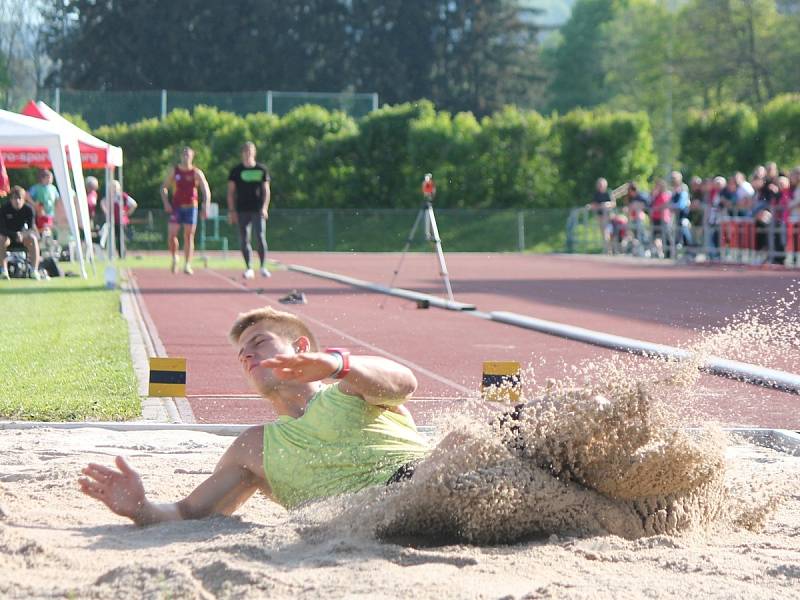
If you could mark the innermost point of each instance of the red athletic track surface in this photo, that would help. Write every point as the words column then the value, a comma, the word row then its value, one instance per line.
column 647, row 301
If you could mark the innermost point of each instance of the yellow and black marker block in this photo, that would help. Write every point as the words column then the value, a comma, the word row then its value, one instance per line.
column 502, row 381
column 167, row 377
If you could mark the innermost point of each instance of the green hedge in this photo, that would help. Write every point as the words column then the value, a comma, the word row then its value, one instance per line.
column 779, row 128
column 617, row 146
column 721, row 141
column 317, row 158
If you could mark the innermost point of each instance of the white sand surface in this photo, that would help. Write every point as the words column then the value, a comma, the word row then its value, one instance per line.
column 55, row 542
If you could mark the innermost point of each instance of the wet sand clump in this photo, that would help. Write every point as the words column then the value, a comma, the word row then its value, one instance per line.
column 576, row 463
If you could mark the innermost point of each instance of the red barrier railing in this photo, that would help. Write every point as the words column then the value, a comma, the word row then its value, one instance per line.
column 792, row 237
column 738, row 234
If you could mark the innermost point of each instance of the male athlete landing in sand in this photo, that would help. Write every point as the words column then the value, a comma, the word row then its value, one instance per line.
column 328, row 439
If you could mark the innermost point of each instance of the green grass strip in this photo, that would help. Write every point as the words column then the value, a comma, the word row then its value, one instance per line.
column 66, row 354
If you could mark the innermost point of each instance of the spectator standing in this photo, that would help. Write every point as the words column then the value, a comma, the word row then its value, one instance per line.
column 184, row 179
column 761, row 214
column 794, row 202
column 661, row 217
column 124, row 206
column 92, row 185
column 602, row 204
column 17, row 226
column 248, row 206
column 5, row 182
column 637, row 202
column 44, row 195
column 744, row 195
column 680, row 204
column 720, row 193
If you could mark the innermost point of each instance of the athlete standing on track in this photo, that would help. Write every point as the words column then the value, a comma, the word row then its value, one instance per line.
column 248, row 205
column 184, row 178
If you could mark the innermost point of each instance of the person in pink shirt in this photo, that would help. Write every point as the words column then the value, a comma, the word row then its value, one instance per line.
column 92, row 185
column 661, row 216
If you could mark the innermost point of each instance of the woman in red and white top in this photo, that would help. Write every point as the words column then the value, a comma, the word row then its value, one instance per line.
column 124, row 206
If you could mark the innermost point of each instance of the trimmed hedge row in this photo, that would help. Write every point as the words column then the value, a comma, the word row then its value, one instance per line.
column 735, row 137
column 317, row 158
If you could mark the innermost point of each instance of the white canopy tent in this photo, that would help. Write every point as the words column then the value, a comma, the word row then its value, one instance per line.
column 95, row 153
column 20, row 131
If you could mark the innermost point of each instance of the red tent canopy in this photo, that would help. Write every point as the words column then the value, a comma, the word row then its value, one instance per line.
column 95, row 153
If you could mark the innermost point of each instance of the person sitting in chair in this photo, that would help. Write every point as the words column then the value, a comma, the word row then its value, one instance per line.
column 17, row 229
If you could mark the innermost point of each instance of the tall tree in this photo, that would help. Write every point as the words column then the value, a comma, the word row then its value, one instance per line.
column 473, row 54
column 740, row 50
column 579, row 76
column 21, row 59
column 639, row 65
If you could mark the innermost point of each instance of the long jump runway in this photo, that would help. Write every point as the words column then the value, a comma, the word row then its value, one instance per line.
column 657, row 303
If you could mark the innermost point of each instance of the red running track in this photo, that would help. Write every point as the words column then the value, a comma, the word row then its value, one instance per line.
column 658, row 303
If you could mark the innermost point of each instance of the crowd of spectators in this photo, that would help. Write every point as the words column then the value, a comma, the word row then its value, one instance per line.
column 38, row 235
column 761, row 212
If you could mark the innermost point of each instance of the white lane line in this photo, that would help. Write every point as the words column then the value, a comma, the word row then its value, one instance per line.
column 403, row 361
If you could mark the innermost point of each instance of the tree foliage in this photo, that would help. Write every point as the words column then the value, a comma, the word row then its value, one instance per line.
column 721, row 141
column 509, row 159
column 578, row 73
column 463, row 54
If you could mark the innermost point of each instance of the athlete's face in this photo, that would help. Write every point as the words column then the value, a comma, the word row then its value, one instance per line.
column 187, row 155
column 249, row 154
column 256, row 344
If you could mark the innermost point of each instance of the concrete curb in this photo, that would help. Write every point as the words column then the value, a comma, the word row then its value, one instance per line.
column 145, row 343
column 224, row 429
column 781, row 440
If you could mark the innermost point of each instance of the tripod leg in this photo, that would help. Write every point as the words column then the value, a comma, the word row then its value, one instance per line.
column 434, row 230
column 410, row 239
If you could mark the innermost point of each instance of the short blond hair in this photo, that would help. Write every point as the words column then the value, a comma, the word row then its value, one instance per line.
column 281, row 323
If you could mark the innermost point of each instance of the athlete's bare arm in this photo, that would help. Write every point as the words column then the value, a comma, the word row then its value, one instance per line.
column 237, row 476
column 377, row 380
column 166, row 185
column 206, row 191
column 266, row 196
column 231, row 197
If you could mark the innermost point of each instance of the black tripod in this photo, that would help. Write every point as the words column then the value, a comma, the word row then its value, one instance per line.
column 432, row 235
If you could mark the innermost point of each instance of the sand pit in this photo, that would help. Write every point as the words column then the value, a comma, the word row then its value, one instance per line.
column 54, row 542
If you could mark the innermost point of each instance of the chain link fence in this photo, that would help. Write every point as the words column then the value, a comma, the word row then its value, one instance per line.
column 107, row 108
column 371, row 230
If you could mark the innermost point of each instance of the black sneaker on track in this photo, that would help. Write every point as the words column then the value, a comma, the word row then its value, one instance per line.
column 294, row 297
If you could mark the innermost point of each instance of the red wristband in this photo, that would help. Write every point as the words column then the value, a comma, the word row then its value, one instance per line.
column 344, row 358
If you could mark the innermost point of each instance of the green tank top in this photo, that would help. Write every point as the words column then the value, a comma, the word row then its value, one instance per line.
column 340, row 444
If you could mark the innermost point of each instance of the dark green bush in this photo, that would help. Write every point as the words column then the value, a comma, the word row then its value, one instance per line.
column 617, row 146
column 318, row 158
column 721, row 141
column 779, row 129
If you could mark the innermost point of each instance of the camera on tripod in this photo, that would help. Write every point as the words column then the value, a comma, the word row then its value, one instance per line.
column 428, row 187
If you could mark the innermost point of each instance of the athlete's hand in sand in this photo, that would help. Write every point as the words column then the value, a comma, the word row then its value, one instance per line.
column 304, row 367
column 121, row 491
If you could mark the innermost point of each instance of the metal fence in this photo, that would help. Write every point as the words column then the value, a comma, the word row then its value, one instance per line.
column 371, row 230
column 106, row 108
column 736, row 240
